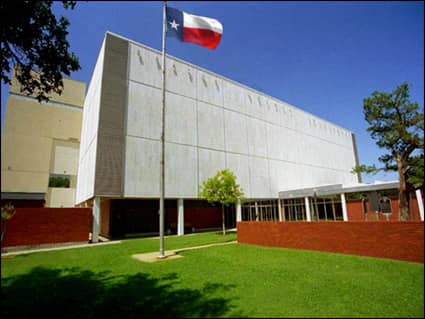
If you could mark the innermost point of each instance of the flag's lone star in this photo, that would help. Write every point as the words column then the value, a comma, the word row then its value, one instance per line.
column 174, row 25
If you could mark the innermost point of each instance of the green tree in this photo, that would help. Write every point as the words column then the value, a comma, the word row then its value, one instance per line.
column 416, row 171
column 223, row 189
column 59, row 181
column 397, row 125
column 35, row 42
column 7, row 212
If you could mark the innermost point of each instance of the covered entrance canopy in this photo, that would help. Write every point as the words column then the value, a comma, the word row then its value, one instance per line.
column 333, row 189
column 328, row 202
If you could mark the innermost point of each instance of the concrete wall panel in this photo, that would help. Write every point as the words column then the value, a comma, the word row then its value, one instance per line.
column 257, row 142
column 234, row 97
column 181, row 78
column 86, row 172
column 72, row 94
column 144, row 111
column 255, row 105
column 274, row 113
column 39, row 181
column 269, row 110
column 239, row 165
column 280, row 175
column 180, row 120
column 28, row 117
column 112, row 118
column 287, row 175
column 60, row 197
column 145, row 66
column 236, row 132
column 89, row 131
column 142, row 168
column 209, row 163
column 65, row 159
column 210, row 126
column 181, row 180
column 210, row 88
column 275, row 139
column 259, row 178
column 32, row 155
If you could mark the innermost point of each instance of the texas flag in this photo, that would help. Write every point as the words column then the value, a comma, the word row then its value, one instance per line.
column 190, row 28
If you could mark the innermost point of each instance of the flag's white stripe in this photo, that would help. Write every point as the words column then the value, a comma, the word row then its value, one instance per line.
column 198, row 22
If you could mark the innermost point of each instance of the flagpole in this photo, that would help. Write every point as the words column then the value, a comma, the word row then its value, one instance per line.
column 162, row 160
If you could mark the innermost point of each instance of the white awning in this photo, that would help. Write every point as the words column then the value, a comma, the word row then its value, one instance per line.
column 322, row 190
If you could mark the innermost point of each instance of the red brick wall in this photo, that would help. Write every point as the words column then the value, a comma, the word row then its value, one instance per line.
column 203, row 217
column 33, row 226
column 355, row 212
column 396, row 240
column 198, row 217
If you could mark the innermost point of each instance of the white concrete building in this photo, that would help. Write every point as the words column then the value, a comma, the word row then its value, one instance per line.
column 211, row 123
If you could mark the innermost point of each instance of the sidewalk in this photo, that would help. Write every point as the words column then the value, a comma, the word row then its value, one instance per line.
column 51, row 247
column 172, row 254
column 103, row 241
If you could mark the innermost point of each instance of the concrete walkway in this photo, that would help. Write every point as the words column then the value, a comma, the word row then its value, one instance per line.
column 172, row 254
column 58, row 247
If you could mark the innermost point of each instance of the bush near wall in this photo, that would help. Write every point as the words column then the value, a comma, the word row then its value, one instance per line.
column 35, row 226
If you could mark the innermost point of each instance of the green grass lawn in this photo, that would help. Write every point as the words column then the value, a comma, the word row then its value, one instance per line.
column 223, row 281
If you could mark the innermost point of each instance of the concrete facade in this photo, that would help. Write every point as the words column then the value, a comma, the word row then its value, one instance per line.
column 41, row 139
column 211, row 123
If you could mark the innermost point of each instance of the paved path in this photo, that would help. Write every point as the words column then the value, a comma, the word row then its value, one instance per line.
column 59, row 247
column 148, row 257
column 172, row 254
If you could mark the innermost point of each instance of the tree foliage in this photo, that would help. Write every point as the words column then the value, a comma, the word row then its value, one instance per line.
column 223, row 189
column 368, row 169
column 397, row 125
column 416, row 171
column 59, row 181
column 7, row 212
column 35, row 42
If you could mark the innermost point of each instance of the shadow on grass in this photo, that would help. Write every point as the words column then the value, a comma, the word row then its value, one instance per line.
column 72, row 293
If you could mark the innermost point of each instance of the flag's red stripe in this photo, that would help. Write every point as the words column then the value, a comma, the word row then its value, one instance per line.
column 204, row 37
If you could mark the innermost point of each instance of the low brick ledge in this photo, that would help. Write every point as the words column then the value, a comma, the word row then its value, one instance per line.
column 393, row 239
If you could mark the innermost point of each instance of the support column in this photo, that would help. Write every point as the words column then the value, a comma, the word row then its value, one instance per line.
column 279, row 210
column 96, row 220
column 180, row 217
column 420, row 203
column 344, row 207
column 256, row 212
column 238, row 211
column 307, row 208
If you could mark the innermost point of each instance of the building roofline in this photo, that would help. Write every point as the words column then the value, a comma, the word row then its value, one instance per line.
column 227, row 79
column 22, row 195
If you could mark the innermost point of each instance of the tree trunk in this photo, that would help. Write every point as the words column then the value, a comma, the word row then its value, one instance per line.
column 403, row 195
column 3, row 230
column 223, row 220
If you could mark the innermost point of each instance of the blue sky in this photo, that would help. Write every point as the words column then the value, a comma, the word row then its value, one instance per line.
column 322, row 57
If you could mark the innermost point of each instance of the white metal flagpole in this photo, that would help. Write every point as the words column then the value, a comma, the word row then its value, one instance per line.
column 162, row 160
